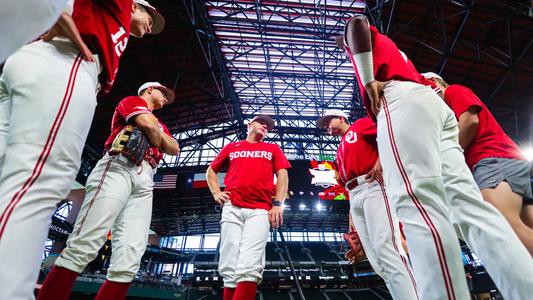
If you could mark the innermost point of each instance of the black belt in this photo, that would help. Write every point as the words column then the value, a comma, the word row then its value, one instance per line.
column 352, row 184
column 152, row 162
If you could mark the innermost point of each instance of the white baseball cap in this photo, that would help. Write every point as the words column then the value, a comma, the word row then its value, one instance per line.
column 158, row 20
column 430, row 75
column 168, row 92
column 328, row 115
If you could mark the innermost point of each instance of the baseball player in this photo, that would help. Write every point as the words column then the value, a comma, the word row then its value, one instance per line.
column 501, row 172
column 119, row 198
column 428, row 182
column 48, row 97
column 24, row 20
column 376, row 224
column 248, row 209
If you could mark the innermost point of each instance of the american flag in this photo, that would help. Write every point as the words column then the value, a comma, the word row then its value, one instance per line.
column 165, row 181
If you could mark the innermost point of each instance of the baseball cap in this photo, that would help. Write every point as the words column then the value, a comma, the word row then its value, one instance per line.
column 265, row 119
column 157, row 18
column 430, row 75
column 170, row 93
column 328, row 115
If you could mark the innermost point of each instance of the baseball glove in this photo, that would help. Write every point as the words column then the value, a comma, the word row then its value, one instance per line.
column 356, row 252
column 131, row 143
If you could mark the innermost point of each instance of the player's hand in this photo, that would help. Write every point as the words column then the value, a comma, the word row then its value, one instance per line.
column 222, row 197
column 376, row 173
column 65, row 27
column 275, row 216
column 374, row 90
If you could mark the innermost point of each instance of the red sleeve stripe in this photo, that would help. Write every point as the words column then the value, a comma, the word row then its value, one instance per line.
column 138, row 112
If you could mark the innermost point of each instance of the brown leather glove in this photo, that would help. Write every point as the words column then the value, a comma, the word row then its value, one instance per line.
column 131, row 143
column 356, row 252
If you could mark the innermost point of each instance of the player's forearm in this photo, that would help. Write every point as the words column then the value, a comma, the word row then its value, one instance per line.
column 153, row 134
column 149, row 126
column 212, row 181
column 467, row 132
column 282, row 184
column 377, row 165
column 350, row 223
column 358, row 39
column 169, row 145
column 468, row 124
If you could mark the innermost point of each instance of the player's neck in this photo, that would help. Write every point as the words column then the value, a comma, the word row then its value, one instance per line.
column 344, row 128
column 253, row 138
column 148, row 102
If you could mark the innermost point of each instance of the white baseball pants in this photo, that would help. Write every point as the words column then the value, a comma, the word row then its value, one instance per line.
column 379, row 231
column 119, row 198
column 47, row 101
column 431, row 188
column 243, row 238
column 22, row 21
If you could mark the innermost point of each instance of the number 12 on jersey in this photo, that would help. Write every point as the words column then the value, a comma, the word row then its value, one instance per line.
column 120, row 40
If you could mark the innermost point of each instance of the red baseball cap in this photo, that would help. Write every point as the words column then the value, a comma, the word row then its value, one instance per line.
column 265, row 119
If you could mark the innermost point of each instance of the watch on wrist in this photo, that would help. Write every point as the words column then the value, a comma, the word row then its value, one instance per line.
column 277, row 203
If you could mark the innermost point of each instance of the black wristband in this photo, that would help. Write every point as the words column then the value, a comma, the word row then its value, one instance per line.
column 277, row 203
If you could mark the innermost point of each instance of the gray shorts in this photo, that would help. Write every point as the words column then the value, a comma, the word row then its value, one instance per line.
column 489, row 172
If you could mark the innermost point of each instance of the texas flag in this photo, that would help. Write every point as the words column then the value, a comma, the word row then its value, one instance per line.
column 199, row 180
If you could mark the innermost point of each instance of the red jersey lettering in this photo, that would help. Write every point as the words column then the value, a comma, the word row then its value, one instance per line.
column 105, row 28
column 358, row 150
column 490, row 140
column 120, row 39
column 254, row 154
column 251, row 169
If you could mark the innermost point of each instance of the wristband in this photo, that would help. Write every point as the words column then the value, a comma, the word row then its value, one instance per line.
column 277, row 203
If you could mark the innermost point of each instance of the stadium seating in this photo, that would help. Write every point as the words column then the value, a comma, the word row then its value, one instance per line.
column 272, row 253
column 298, row 252
column 321, row 252
column 277, row 295
column 204, row 257
column 337, row 295
column 365, row 294
column 312, row 295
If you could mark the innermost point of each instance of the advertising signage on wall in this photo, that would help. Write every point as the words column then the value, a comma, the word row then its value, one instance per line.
column 308, row 180
column 314, row 180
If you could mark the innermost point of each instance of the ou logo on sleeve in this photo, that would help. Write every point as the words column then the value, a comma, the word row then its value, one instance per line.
column 350, row 137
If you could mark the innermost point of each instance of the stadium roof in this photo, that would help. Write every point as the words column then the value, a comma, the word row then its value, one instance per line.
column 229, row 60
